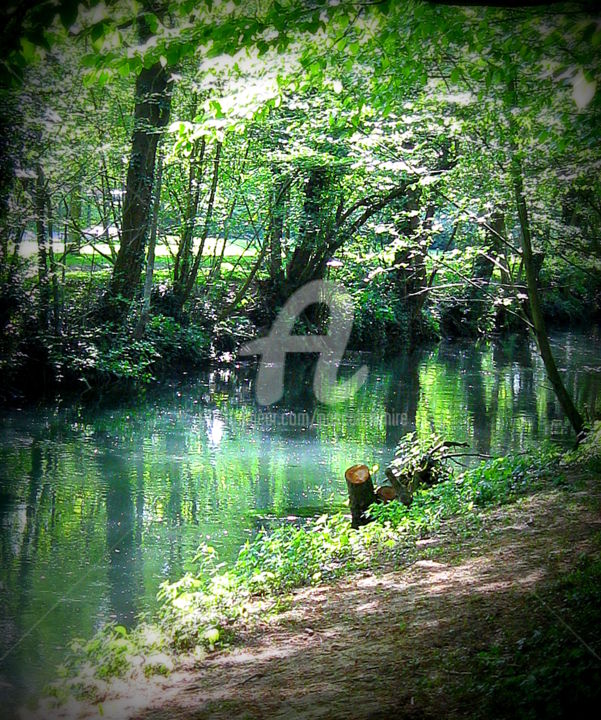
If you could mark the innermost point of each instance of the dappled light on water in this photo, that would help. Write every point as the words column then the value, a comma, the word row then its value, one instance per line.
column 100, row 504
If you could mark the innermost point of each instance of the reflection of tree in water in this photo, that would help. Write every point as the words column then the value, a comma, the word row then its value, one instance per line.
column 402, row 395
column 299, row 395
column 577, row 368
column 19, row 551
column 261, row 482
column 587, row 396
column 175, row 447
column 192, row 494
column 123, row 543
column 171, row 493
column 446, row 364
column 14, row 603
column 526, row 382
column 484, row 416
column 140, row 498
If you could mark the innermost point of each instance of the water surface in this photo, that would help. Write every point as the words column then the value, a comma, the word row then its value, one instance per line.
column 101, row 503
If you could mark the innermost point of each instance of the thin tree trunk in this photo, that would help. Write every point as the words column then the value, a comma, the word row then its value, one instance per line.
column 411, row 273
column 540, row 331
column 216, row 267
column 74, row 218
column 536, row 313
column 40, row 207
column 143, row 319
column 227, row 310
column 276, row 230
column 56, row 312
column 192, row 275
column 184, row 253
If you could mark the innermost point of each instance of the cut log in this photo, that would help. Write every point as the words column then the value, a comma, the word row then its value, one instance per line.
column 399, row 483
column 386, row 493
column 361, row 493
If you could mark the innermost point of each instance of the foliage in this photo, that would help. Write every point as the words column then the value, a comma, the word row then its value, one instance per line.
column 112, row 653
column 187, row 345
column 127, row 360
column 571, row 290
column 415, row 456
column 502, row 480
column 381, row 324
column 588, row 452
column 369, row 144
column 494, row 482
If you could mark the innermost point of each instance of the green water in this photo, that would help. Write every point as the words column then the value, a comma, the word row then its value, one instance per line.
column 101, row 503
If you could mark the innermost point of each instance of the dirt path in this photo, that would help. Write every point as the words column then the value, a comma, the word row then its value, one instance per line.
column 397, row 644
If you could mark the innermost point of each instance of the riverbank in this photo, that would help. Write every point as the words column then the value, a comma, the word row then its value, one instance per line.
column 423, row 612
column 88, row 356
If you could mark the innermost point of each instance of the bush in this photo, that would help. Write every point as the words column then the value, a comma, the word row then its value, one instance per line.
column 570, row 295
column 381, row 321
column 178, row 344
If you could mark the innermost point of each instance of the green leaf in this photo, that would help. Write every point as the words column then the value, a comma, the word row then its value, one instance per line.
column 152, row 21
column 28, row 49
column 68, row 13
column 98, row 30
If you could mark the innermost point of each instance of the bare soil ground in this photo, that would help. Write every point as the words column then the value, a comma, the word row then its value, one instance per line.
column 396, row 643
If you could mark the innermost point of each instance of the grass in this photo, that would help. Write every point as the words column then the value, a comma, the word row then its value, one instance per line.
column 88, row 256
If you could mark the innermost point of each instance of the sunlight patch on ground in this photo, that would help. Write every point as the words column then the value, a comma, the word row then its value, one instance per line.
column 29, row 248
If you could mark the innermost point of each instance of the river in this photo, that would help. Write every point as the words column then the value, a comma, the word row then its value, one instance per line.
column 99, row 503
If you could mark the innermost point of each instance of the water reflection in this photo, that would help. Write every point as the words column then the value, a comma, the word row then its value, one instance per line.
column 123, row 553
column 98, row 505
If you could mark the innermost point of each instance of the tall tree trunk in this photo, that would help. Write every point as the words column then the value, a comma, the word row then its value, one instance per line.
column 308, row 261
column 276, row 231
column 411, row 269
column 40, row 210
column 188, row 281
column 56, row 303
column 183, row 259
column 74, row 219
column 152, row 106
column 503, row 319
column 536, row 313
column 143, row 319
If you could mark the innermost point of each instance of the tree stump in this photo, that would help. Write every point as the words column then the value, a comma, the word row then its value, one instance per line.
column 386, row 493
column 361, row 493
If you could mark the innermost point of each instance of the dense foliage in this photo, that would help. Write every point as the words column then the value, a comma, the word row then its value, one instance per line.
column 174, row 171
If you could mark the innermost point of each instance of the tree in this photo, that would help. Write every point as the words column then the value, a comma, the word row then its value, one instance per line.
column 535, row 309
column 151, row 114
